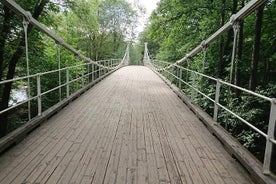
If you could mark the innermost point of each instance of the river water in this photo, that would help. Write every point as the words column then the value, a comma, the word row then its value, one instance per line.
column 18, row 95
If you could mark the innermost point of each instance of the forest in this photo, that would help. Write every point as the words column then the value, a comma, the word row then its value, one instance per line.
column 101, row 29
column 97, row 29
column 177, row 26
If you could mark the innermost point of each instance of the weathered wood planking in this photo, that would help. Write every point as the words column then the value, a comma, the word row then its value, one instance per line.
column 129, row 128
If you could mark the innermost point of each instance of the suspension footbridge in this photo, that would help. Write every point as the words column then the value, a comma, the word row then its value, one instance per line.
column 116, row 123
column 142, row 133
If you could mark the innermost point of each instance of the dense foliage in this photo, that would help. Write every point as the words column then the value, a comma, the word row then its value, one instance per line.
column 96, row 28
column 100, row 28
column 178, row 26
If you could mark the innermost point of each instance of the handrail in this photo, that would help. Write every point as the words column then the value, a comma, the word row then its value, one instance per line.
column 234, row 19
column 161, row 66
column 57, row 87
column 53, row 71
column 83, row 74
column 269, row 137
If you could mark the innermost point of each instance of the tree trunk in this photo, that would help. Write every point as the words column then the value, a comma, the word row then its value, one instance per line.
column 253, row 82
column 266, row 73
column 11, row 70
column 3, row 37
column 238, row 60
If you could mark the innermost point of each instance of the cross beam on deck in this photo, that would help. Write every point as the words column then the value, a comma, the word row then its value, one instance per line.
column 130, row 128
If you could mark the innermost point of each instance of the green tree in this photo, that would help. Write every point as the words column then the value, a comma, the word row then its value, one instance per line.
column 97, row 28
column 177, row 26
column 12, row 47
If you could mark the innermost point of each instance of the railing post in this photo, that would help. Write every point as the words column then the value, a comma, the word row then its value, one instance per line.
column 218, row 85
column 88, row 72
column 39, row 108
column 99, row 72
column 270, row 135
column 107, row 66
column 177, row 71
column 187, row 72
column 193, row 85
column 67, row 83
column 59, row 71
column 92, row 71
column 82, row 75
column 104, row 64
column 180, row 76
column 105, row 69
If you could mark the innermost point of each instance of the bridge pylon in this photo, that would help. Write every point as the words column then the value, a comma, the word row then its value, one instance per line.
column 146, row 59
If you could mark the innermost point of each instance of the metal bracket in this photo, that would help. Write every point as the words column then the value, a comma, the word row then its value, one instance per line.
column 233, row 19
column 188, row 57
column 236, row 26
column 203, row 45
column 26, row 19
column 25, row 24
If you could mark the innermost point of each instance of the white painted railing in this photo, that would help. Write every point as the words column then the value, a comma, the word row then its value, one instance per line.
column 169, row 68
column 87, row 72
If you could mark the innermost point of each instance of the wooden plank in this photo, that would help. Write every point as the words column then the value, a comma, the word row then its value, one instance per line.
column 47, row 161
column 20, row 133
column 205, row 168
column 132, row 172
column 115, row 128
column 84, row 139
column 93, row 140
column 163, row 116
column 230, row 144
column 152, row 166
column 159, row 156
column 130, row 128
column 68, row 158
column 37, row 153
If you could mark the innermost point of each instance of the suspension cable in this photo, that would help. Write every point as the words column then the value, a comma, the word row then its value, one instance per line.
column 21, row 12
column 236, row 28
column 25, row 27
column 242, row 14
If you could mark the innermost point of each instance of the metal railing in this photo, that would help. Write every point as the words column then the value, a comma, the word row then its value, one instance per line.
column 85, row 77
column 81, row 74
column 175, row 72
column 191, row 82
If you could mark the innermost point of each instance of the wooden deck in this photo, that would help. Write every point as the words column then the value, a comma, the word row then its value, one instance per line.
column 129, row 128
